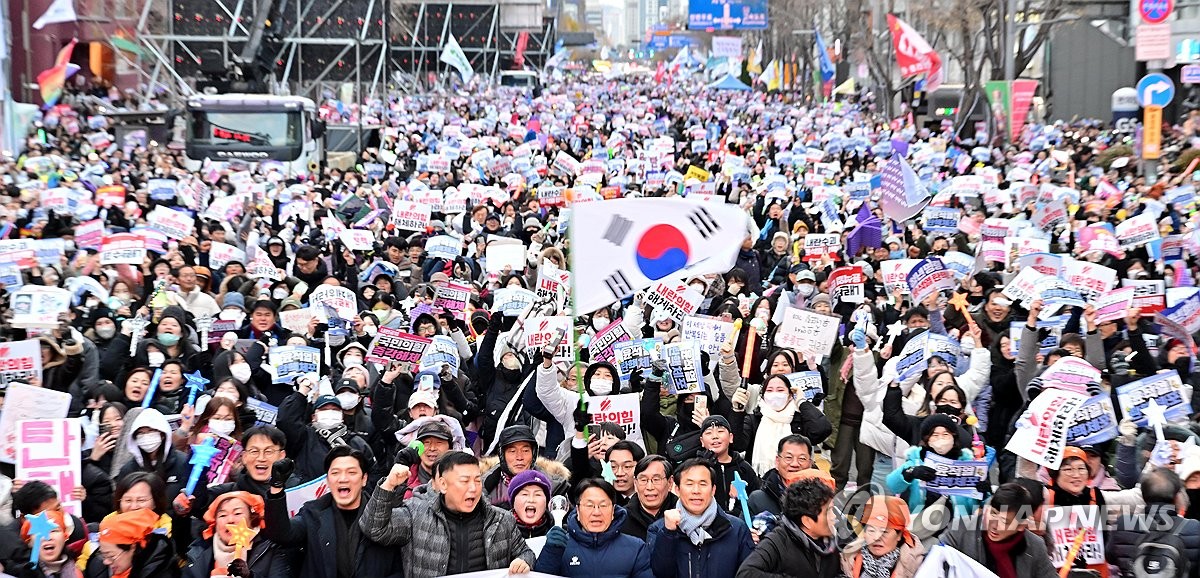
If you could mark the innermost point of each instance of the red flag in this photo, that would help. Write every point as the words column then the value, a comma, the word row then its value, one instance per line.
column 522, row 43
column 658, row 74
column 914, row 55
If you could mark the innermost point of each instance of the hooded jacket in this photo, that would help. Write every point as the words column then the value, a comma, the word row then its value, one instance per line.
column 172, row 467
column 495, row 478
column 608, row 554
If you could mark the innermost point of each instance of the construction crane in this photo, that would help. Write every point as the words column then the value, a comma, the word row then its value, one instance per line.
column 251, row 71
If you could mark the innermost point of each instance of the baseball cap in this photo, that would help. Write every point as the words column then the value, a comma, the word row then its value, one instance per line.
column 426, row 397
column 435, row 430
column 345, row 384
column 325, row 400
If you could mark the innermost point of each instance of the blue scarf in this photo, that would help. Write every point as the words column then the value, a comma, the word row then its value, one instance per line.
column 694, row 526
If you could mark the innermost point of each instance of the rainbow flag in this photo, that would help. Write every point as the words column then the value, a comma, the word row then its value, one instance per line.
column 52, row 80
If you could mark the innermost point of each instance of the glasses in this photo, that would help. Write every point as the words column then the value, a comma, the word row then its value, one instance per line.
column 623, row 467
column 267, row 453
column 655, row 480
column 136, row 502
column 113, row 558
column 1075, row 470
column 595, row 506
column 798, row 460
column 873, row 532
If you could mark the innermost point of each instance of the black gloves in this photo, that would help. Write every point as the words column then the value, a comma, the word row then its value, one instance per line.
column 240, row 568
column 281, row 470
column 496, row 322
column 924, row 473
column 636, row 382
column 408, row 456
column 582, row 417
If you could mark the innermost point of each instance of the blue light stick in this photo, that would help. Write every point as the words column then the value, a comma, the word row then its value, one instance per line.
column 195, row 384
column 739, row 485
column 153, row 388
column 40, row 528
column 202, row 456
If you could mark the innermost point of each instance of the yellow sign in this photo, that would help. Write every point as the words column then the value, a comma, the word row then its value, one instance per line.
column 1152, row 133
column 695, row 172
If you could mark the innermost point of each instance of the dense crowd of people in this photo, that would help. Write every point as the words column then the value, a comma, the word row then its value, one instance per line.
column 929, row 355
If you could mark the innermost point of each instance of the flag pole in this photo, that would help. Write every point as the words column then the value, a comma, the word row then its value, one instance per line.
column 571, row 325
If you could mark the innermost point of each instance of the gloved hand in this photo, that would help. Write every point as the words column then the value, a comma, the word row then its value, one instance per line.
column 582, row 417
column 636, row 382
column 984, row 487
column 859, row 338
column 658, row 368
column 408, row 456
column 1162, row 454
column 818, row 398
column 740, row 398
column 496, row 322
column 556, row 537
column 240, row 568
column 922, row 472
column 281, row 470
column 1119, row 363
column 707, row 455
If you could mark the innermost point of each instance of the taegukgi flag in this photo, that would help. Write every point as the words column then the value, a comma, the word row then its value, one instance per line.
column 621, row 246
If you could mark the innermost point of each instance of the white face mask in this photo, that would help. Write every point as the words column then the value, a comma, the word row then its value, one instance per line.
column 941, row 446
column 348, row 400
column 602, row 386
column 149, row 442
column 511, row 362
column 351, row 361
column 221, row 426
column 599, row 323
column 371, row 330
column 106, row 332
column 775, row 399
column 280, row 294
column 240, row 372
column 329, row 418
column 231, row 315
column 155, row 358
column 805, row 289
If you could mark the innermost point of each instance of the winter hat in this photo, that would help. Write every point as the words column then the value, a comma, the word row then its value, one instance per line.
column 252, row 501
column 525, row 478
column 820, row 298
column 938, row 420
column 890, row 512
column 128, row 528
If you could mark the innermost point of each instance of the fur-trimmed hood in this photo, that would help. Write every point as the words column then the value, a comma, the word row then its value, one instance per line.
column 557, row 471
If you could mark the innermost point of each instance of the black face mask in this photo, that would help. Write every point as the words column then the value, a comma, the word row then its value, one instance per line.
column 946, row 409
column 509, row 375
column 1193, row 498
column 975, row 299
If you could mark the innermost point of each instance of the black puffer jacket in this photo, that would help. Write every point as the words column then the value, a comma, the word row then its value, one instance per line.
column 768, row 497
column 1121, row 547
column 266, row 560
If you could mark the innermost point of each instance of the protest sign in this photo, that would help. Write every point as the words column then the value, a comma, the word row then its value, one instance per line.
column 1150, row 296
column 453, row 297
column 929, row 276
column 174, row 224
column 1186, row 313
column 914, row 357
column 340, row 299
column 264, row 413
column 122, row 249
column 709, row 332
column 1111, row 306
column 511, row 301
column 27, row 402
column 623, row 409
column 1165, row 388
column 601, row 346
column 410, row 216
column 808, row 384
column 90, row 234
column 394, row 345
column 1095, row 422
column 539, row 331
column 161, row 189
column 221, row 253
column 292, row 361
column 227, row 459
column 305, row 493
column 636, row 354
column 1136, row 231
column 810, row 334
column 38, row 306
column 1090, row 279
column 1044, row 263
column 357, row 239
column 1023, row 287
column 1042, row 432
column 1071, row 374
column 956, row 477
column 1065, row 523
column 501, row 255
column 48, row 450
column 674, row 298
column 1050, row 215
column 1055, row 291
column 20, row 360
column 940, row 221
column 820, row 245
column 684, row 371
column 261, row 267
column 441, row 350
column 443, row 247
column 895, row 273
column 846, row 284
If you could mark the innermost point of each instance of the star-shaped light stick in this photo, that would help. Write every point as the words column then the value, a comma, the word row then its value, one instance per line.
column 893, row 331
column 202, row 455
column 149, row 399
column 739, row 486
column 1156, row 418
column 240, row 536
column 195, row 384
column 606, row 471
column 40, row 528
column 959, row 301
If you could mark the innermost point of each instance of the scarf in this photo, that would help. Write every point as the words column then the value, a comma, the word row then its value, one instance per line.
column 694, row 526
column 1001, row 554
column 223, row 554
column 334, row 436
column 774, row 426
column 880, row 567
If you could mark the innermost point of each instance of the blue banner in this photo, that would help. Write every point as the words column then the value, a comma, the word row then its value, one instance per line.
column 727, row 14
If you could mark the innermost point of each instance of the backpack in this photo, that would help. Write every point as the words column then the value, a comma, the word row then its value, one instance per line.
column 1160, row 555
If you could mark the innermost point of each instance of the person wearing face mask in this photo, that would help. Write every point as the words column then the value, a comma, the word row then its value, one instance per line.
column 804, row 282
column 781, row 412
column 352, row 355
column 148, row 443
column 941, row 436
column 499, row 377
column 233, row 308
column 174, row 338
column 313, row 429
